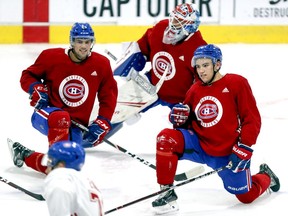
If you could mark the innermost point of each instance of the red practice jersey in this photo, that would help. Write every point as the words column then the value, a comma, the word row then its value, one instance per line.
column 75, row 87
column 226, row 113
column 178, row 57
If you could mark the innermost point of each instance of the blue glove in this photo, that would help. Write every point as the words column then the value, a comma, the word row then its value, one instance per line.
column 97, row 131
column 240, row 157
column 38, row 95
column 132, row 57
column 179, row 114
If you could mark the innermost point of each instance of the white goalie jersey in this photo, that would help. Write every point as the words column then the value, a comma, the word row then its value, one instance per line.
column 67, row 192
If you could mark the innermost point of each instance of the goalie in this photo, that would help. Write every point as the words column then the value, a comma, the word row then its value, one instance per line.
column 167, row 45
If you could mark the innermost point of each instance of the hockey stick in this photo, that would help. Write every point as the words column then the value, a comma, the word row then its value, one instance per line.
column 110, row 55
column 178, row 177
column 142, row 81
column 167, row 189
column 34, row 195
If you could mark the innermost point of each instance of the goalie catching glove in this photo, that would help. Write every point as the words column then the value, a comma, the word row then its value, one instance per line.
column 240, row 157
column 97, row 131
column 38, row 95
column 179, row 114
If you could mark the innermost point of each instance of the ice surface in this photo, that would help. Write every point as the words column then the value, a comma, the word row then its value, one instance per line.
column 123, row 179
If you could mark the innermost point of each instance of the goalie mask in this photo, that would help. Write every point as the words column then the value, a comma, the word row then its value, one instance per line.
column 183, row 21
column 71, row 153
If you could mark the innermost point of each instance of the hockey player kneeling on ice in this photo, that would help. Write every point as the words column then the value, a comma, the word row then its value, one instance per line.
column 168, row 45
column 66, row 190
column 217, row 124
column 64, row 85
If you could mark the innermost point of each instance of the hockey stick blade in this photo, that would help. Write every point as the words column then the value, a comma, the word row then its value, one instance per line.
column 34, row 195
column 167, row 189
column 178, row 177
column 190, row 173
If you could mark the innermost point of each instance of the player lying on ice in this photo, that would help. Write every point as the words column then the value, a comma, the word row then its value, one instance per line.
column 217, row 124
column 68, row 84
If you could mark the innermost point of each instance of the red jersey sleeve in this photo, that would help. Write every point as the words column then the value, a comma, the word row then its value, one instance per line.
column 35, row 72
column 144, row 43
column 75, row 87
column 249, row 116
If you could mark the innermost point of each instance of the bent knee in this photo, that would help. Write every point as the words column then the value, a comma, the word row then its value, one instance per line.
column 170, row 140
column 59, row 119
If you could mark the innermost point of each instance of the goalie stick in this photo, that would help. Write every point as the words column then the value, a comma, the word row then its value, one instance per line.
column 136, row 94
column 110, row 55
column 142, row 81
column 179, row 177
column 168, row 189
column 34, row 195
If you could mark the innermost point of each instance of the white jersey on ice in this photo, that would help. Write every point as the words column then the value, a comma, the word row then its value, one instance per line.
column 67, row 192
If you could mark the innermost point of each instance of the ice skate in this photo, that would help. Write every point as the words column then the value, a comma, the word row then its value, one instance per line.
column 18, row 152
column 275, row 183
column 166, row 202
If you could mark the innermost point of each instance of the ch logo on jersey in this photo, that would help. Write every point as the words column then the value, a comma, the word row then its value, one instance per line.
column 209, row 111
column 73, row 90
column 160, row 62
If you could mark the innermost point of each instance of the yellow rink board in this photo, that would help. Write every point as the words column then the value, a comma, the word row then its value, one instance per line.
column 117, row 34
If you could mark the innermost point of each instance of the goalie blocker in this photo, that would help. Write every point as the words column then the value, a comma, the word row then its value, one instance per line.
column 132, row 58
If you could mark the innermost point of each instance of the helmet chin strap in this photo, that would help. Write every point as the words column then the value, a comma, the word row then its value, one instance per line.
column 212, row 78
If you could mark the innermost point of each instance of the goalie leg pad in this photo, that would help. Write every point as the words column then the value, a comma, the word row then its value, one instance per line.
column 170, row 143
column 59, row 123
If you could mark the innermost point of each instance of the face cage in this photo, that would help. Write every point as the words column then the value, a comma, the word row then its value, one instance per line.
column 174, row 34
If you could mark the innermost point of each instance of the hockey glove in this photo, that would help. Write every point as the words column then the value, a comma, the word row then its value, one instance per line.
column 97, row 131
column 132, row 57
column 179, row 114
column 240, row 157
column 38, row 95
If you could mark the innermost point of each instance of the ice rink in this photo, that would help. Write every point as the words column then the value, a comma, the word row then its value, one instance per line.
column 123, row 179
